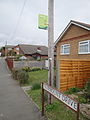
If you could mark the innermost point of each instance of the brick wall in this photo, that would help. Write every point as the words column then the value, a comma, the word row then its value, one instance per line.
column 73, row 37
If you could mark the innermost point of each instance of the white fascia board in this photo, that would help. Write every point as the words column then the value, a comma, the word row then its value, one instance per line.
column 80, row 25
column 67, row 29
column 62, row 33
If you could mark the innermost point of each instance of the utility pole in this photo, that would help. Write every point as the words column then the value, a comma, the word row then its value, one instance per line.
column 5, row 48
column 50, row 44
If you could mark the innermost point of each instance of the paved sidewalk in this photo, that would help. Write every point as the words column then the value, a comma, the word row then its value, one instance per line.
column 14, row 104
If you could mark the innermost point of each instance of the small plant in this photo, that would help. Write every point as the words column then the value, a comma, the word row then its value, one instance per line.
column 52, row 106
column 87, row 91
column 15, row 74
column 82, row 99
column 27, row 69
column 87, row 86
column 36, row 86
column 72, row 90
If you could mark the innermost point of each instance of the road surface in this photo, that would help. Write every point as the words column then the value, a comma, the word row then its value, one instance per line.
column 14, row 104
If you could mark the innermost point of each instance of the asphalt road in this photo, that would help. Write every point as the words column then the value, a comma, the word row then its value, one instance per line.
column 14, row 104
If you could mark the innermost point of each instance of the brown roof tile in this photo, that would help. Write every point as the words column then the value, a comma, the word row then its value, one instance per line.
column 31, row 49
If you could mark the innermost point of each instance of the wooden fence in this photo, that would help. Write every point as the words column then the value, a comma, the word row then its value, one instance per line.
column 9, row 63
column 74, row 73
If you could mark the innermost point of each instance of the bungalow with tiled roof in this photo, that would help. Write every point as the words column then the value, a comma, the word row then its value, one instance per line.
column 7, row 50
column 37, row 52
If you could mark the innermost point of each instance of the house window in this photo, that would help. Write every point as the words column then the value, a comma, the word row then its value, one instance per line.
column 9, row 48
column 84, row 47
column 65, row 49
column 17, row 48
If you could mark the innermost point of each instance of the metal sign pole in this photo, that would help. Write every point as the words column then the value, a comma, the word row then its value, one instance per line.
column 42, row 100
column 78, row 112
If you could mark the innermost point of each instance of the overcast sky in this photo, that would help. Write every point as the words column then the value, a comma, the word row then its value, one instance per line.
column 27, row 31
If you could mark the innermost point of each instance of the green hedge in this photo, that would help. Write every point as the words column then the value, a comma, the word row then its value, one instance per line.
column 21, row 76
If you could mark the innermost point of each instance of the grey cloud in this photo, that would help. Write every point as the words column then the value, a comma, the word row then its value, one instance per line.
column 27, row 30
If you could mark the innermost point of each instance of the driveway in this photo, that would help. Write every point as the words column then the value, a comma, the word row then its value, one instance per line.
column 14, row 104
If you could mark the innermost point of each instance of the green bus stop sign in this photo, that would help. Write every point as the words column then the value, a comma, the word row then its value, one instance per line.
column 42, row 21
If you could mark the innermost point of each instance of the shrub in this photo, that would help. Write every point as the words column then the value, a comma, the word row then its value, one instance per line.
column 17, row 57
column 72, row 90
column 27, row 69
column 35, row 69
column 15, row 74
column 23, row 77
column 36, row 86
column 87, row 91
column 82, row 99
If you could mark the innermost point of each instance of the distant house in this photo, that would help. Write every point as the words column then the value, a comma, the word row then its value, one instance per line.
column 73, row 56
column 16, row 50
column 0, row 51
column 32, row 51
column 7, row 50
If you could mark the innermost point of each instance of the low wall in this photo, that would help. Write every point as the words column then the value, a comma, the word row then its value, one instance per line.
column 31, row 64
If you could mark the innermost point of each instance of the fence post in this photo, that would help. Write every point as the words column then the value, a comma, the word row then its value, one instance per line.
column 78, row 112
column 42, row 100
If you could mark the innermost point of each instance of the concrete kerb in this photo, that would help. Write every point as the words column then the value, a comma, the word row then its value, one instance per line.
column 30, row 98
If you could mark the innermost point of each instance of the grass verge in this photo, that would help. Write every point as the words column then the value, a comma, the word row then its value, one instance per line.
column 55, row 111
column 38, row 77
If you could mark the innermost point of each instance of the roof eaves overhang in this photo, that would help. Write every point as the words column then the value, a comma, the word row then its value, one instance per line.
column 67, row 27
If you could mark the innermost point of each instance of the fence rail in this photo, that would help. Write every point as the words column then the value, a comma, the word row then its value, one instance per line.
column 74, row 73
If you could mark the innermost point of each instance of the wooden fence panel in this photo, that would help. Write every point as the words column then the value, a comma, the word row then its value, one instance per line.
column 73, row 73
column 9, row 63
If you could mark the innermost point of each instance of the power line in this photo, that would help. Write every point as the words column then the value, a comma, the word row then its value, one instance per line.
column 17, row 24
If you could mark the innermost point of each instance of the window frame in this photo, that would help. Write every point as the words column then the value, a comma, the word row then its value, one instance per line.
column 63, row 53
column 88, row 42
column 17, row 48
column 9, row 49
